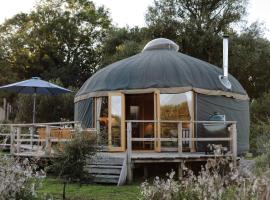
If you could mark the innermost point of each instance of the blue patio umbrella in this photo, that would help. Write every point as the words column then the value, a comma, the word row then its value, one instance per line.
column 35, row 86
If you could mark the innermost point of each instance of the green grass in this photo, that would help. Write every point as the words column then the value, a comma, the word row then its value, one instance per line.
column 52, row 186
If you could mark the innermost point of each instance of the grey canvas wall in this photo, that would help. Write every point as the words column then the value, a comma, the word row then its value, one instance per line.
column 83, row 113
column 235, row 110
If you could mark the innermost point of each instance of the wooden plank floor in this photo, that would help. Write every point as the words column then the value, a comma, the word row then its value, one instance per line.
column 147, row 157
column 141, row 157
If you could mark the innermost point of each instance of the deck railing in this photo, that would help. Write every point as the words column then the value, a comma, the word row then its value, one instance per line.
column 36, row 139
column 191, row 139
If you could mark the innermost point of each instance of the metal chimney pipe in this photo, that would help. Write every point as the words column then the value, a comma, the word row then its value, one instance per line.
column 224, row 79
column 225, row 55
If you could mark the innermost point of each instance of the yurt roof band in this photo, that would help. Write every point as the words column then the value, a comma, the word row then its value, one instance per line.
column 165, row 90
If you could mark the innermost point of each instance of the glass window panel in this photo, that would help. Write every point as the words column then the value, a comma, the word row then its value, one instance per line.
column 174, row 107
column 103, row 121
column 93, row 113
column 116, row 115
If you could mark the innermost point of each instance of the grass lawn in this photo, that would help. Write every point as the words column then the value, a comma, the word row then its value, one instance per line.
column 53, row 186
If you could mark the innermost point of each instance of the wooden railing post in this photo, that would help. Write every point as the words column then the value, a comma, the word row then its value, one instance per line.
column 180, row 135
column 12, row 137
column 18, row 139
column 234, row 142
column 129, row 153
column 31, row 136
column 47, row 140
column 191, row 137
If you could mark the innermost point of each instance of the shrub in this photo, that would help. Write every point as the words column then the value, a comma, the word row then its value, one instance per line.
column 260, row 120
column 218, row 179
column 18, row 180
column 69, row 165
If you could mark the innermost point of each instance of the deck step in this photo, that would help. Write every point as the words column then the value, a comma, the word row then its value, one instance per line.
column 105, row 168
column 96, row 170
column 106, row 179
column 106, row 161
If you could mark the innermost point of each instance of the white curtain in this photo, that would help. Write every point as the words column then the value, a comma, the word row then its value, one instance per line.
column 98, row 110
column 190, row 103
column 190, row 109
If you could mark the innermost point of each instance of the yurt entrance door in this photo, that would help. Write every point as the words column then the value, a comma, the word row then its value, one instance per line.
column 140, row 107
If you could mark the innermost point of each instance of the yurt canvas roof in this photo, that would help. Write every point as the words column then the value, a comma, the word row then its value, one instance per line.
column 160, row 66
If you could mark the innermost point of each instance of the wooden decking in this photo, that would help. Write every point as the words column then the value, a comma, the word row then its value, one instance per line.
column 39, row 140
column 154, row 157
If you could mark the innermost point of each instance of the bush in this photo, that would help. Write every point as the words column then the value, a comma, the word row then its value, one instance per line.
column 259, row 136
column 18, row 180
column 69, row 165
column 218, row 179
column 260, row 120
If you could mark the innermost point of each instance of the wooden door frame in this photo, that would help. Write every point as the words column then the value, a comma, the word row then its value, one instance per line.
column 123, row 125
column 157, row 119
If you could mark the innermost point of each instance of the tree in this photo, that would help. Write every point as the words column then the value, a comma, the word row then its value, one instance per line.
column 123, row 42
column 195, row 25
column 249, row 60
column 59, row 39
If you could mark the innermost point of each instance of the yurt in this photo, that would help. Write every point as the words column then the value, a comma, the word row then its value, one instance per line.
column 155, row 91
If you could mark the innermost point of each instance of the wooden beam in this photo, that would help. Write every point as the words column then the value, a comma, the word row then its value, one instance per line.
column 181, row 166
column 234, row 132
column 129, row 153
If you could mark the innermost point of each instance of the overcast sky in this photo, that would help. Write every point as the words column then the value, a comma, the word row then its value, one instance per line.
column 131, row 12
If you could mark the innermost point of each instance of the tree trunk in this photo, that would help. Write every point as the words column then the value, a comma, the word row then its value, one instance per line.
column 64, row 190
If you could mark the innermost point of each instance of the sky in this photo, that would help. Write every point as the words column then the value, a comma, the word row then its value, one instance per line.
column 132, row 12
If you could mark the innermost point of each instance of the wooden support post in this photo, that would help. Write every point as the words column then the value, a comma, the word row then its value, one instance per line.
column 180, row 170
column 47, row 140
column 129, row 153
column 234, row 142
column 18, row 139
column 180, row 135
column 191, row 136
column 12, row 137
column 145, row 172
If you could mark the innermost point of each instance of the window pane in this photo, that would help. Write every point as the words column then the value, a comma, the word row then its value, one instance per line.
column 103, row 121
column 174, row 107
column 116, row 114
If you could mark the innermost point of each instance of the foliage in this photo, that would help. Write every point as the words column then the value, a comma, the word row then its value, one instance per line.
column 249, row 60
column 122, row 43
column 215, row 181
column 18, row 180
column 69, row 165
column 263, row 161
column 195, row 25
column 58, row 39
column 259, row 136
column 260, row 120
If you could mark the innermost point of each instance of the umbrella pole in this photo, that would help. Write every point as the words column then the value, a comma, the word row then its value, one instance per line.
column 34, row 108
